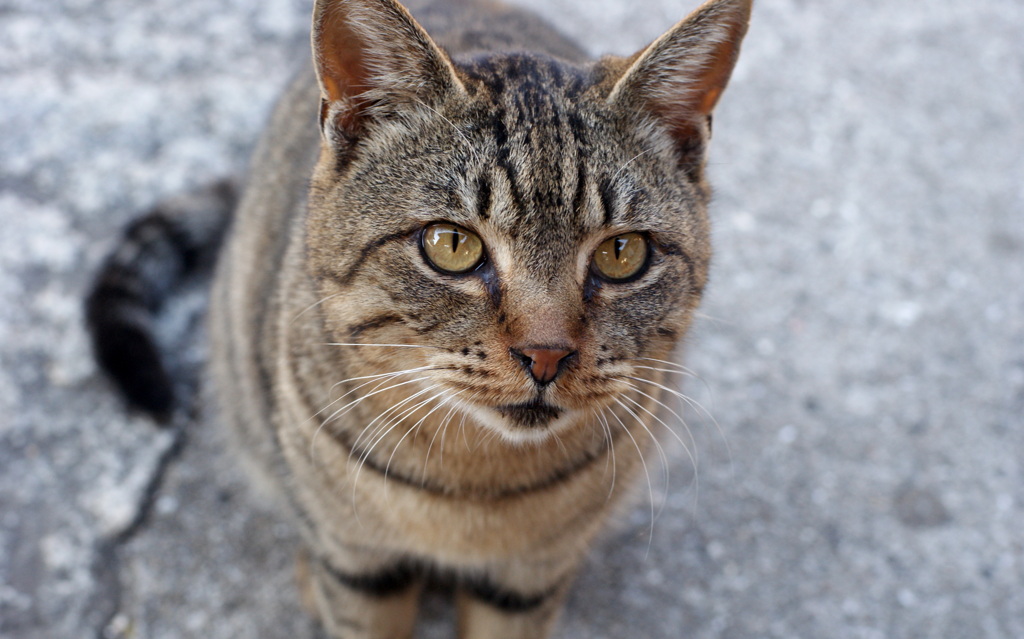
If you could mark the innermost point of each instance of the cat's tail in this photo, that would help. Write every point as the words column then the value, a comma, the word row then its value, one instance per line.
column 157, row 251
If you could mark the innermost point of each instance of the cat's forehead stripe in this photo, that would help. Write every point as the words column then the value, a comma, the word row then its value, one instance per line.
column 542, row 143
column 510, row 72
column 483, row 196
column 607, row 197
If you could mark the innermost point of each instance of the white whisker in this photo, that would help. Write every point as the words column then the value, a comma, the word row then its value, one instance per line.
column 489, row 436
column 691, row 454
column 657, row 444
column 442, row 427
column 387, row 377
column 379, row 375
column 382, row 345
column 606, row 427
column 377, row 390
column 462, row 422
column 311, row 307
column 462, row 429
column 382, row 432
column 665, row 362
column 679, row 369
column 628, row 162
column 388, row 416
column 395, row 420
column 711, row 318
column 450, row 123
column 352, row 404
column 561, row 445
column 647, row 474
column 665, row 370
column 692, row 403
column 414, row 427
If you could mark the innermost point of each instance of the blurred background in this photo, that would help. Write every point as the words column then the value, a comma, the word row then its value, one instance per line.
column 861, row 349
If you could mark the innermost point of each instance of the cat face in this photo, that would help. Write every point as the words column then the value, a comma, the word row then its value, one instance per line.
column 527, row 233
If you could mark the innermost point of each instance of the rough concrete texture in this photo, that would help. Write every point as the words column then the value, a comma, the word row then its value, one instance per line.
column 862, row 349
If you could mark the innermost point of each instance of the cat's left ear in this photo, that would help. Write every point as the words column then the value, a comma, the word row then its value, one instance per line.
column 680, row 76
column 372, row 58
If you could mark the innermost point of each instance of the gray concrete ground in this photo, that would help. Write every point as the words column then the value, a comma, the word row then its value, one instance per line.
column 862, row 349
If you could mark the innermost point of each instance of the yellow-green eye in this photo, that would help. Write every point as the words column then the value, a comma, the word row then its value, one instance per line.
column 451, row 248
column 621, row 257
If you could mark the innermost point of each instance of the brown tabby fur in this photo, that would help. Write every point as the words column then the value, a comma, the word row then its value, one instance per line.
column 429, row 447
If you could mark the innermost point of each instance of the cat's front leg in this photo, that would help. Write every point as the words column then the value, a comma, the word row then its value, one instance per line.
column 507, row 605
column 378, row 602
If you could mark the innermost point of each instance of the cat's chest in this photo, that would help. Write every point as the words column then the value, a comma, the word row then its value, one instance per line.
column 459, row 497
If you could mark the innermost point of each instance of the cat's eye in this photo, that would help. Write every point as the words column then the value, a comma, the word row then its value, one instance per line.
column 452, row 249
column 621, row 258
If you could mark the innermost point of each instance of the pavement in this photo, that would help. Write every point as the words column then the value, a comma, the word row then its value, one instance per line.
column 861, row 348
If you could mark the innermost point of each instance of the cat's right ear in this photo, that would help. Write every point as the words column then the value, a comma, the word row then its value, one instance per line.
column 372, row 58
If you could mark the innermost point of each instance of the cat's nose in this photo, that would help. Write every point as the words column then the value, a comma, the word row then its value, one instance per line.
column 544, row 364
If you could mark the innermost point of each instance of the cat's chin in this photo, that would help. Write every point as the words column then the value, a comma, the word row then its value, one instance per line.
column 530, row 422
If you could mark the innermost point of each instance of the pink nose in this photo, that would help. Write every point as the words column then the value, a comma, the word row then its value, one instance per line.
column 543, row 363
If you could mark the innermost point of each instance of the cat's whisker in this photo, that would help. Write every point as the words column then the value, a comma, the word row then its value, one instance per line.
column 561, row 446
column 595, row 435
column 438, row 348
column 316, row 433
column 606, row 428
column 320, row 427
column 311, row 307
column 692, row 403
column 393, row 423
column 460, row 429
column 398, row 414
column 692, row 454
column 352, row 404
column 657, row 445
column 373, row 378
column 630, row 161
column 373, row 430
column 712, row 318
column 462, row 135
column 664, row 362
column 415, row 427
column 465, row 406
column 385, row 418
column 373, row 391
column 489, row 436
column 647, row 474
column 453, row 400
column 379, row 375
column 682, row 396
column 382, row 432
column 664, row 370
column 689, row 372
column 377, row 390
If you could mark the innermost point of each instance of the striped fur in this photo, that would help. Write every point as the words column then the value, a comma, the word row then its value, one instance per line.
column 390, row 405
column 155, row 253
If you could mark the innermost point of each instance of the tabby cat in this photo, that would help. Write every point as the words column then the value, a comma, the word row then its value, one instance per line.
column 439, row 313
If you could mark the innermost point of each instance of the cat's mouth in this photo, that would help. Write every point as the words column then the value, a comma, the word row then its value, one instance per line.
column 533, row 414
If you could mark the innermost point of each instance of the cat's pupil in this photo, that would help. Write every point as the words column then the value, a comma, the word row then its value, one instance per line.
column 455, row 241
